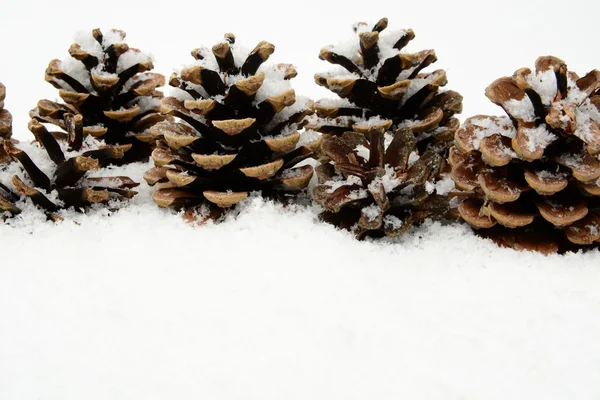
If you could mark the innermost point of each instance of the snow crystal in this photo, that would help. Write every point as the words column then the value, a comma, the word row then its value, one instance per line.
column 389, row 180
column 299, row 106
column 416, row 84
column 338, row 72
column 130, row 58
column 102, row 73
column 544, row 83
column 544, row 174
column 337, row 182
column 587, row 115
column 444, row 186
column 574, row 95
column 485, row 127
column 362, row 151
column 349, row 48
column 274, row 83
column 392, row 222
column 521, row 109
column 387, row 40
column 429, row 187
column 147, row 103
column 335, row 103
column 75, row 69
column 538, row 137
column 371, row 122
column 413, row 158
column 86, row 41
column 240, row 53
column 371, row 212
column 388, row 137
column 308, row 136
column 111, row 37
column 208, row 61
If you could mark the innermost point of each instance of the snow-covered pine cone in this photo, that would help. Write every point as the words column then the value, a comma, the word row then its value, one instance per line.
column 236, row 132
column 7, row 197
column 68, row 185
column 376, row 80
column 5, row 117
column 376, row 183
column 532, row 178
column 110, row 85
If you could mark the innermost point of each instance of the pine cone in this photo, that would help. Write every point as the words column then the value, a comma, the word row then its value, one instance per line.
column 108, row 83
column 7, row 197
column 237, row 132
column 377, row 185
column 69, row 186
column 378, row 82
column 5, row 117
column 531, row 178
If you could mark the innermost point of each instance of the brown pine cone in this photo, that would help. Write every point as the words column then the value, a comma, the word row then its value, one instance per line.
column 68, row 186
column 376, row 184
column 236, row 132
column 7, row 197
column 377, row 81
column 110, row 86
column 531, row 178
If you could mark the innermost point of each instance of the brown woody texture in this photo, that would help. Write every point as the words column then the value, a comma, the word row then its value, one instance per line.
column 530, row 179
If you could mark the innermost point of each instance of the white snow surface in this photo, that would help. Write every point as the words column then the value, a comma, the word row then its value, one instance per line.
column 272, row 304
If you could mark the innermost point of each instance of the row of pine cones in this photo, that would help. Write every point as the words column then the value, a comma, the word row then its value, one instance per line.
column 390, row 151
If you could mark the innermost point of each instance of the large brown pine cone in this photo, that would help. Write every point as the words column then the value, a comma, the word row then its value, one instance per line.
column 378, row 81
column 376, row 183
column 236, row 132
column 531, row 178
column 110, row 85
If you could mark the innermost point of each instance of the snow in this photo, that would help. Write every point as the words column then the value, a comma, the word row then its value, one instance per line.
column 274, row 83
column 371, row 212
column 130, row 58
column 485, row 127
column 416, row 84
column 521, row 109
column 544, row 84
column 88, row 43
column 75, row 69
column 272, row 304
column 538, row 137
column 392, row 222
column 112, row 36
column 444, row 185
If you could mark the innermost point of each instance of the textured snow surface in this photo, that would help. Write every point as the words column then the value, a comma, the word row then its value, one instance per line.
column 272, row 304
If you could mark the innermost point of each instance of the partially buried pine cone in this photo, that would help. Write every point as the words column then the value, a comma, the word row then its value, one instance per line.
column 531, row 178
column 68, row 185
column 236, row 132
column 378, row 82
column 385, row 140
column 376, row 184
column 110, row 85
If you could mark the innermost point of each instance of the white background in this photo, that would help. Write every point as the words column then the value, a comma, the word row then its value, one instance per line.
column 475, row 41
